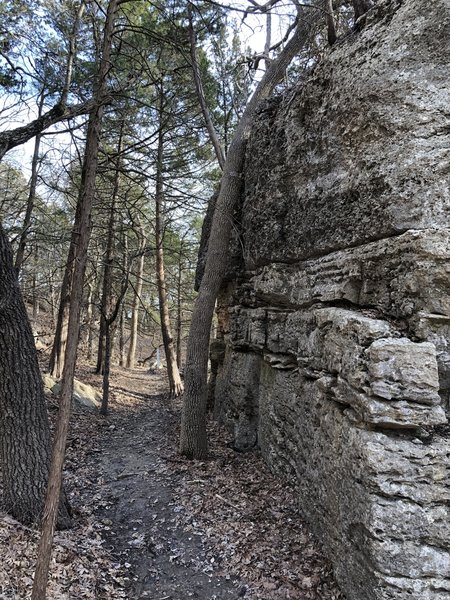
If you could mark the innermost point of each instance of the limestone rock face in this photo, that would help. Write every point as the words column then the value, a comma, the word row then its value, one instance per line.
column 337, row 327
column 363, row 142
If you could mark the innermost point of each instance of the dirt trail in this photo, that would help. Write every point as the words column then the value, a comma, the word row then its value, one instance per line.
column 220, row 529
column 137, row 482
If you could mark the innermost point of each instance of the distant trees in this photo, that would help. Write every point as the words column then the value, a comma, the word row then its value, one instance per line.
column 41, row 227
column 81, row 233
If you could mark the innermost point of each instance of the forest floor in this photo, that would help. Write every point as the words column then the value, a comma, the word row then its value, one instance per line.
column 150, row 524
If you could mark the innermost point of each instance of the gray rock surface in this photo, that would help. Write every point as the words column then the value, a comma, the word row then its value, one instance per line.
column 83, row 393
column 337, row 330
column 364, row 142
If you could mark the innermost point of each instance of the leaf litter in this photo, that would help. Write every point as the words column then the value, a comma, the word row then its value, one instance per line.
column 151, row 524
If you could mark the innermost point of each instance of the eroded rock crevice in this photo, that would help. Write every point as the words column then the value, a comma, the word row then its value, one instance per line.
column 334, row 331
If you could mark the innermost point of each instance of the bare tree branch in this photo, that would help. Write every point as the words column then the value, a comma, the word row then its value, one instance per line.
column 15, row 137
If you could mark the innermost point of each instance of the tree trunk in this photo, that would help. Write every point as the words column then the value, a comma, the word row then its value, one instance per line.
column 107, row 282
column 122, row 353
column 106, row 370
column 131, row 356
column 58, row 352
column 35, row 292
column 193, row 441
column 25, row 444
column 87, row 191
column 88, row 321
column 331, row 24
column 201, row 95
column 16, row 137
column 109, row 259
column 361, row 7
column 175, row 383
column 109, row 322
column 179, row 322
column 122, row 357
column 31, row 196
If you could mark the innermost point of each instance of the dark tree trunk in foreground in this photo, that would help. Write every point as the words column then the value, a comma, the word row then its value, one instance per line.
column 193, row 441
column 25, row 444
column 83, row 230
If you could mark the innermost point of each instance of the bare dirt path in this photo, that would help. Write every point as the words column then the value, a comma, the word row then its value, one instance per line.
column 220, row 529
column 150, row 524
column 138, row 506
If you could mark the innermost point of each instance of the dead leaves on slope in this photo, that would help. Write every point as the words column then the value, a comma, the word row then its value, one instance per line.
column 80, row 568
column 252, row 525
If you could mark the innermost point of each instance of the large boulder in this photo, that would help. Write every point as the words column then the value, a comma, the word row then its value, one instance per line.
column 83, row 394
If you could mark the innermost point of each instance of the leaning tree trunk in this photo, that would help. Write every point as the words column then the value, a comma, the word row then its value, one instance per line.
column 83, row 226
column 173, row 374
column 25, row 444
column 193, row 440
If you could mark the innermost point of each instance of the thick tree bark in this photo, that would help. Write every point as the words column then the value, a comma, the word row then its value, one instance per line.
column 193, row 441
column 87, row 191
column 175, row 383
column 25, row 444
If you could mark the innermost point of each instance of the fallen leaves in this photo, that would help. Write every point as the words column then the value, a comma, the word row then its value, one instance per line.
column 252, row 525
column 227, row 519
column 80, row 568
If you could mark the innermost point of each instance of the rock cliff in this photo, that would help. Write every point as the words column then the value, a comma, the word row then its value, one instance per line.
column 336, row 328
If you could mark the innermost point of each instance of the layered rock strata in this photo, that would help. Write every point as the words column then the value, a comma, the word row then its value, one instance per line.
column 337, row 327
